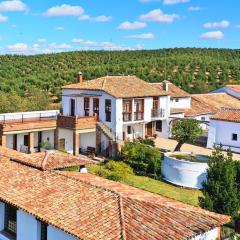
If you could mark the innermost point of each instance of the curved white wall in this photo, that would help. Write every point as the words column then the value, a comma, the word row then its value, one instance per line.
column 184, row 173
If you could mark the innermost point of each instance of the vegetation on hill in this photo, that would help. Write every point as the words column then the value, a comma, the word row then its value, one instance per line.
column 195, row 70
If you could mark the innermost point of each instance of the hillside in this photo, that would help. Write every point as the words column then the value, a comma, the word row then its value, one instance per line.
column 195, row 70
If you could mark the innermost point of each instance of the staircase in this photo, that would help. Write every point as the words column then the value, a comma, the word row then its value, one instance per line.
column 106, row 130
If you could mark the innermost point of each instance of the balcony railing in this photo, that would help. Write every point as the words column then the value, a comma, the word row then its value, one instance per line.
column 158, row 113
column 74, row 122
column 138, row 116
column 127, row 117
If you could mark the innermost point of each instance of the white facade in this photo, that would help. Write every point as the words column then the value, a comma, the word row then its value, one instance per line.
column 47, row 136
column 224, row 133
column 181, row 102
column 117, row 125
column 210, row 235
column 29, row 228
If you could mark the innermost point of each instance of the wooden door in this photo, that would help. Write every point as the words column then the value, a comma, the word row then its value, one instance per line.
column 15, row 142
column 62, row 143
column 96, row 106
column 72, row 107
column 149, row 129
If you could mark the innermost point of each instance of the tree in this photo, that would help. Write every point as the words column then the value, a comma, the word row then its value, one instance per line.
column 185, row 130
column 143, row 159
column 220, row 191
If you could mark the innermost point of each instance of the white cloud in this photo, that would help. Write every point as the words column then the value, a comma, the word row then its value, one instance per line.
column 158, row 16
column 59, row 28
column 139, row 46
column 41, row 40
column 216, row 35
column 142, row 36
column 172, row 2
column 18, row 47
column 13, row 6
column 238, row 26
column 64, row 10
column 3, row 18
column 77, row 40
column 132, row 25
column 59, row 46
column 221, row 24
column 195, row 8
column 98, row 45
column 101, row 18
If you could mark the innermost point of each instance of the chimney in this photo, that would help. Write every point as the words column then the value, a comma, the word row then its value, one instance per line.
column 166, row 85
column 80, row 77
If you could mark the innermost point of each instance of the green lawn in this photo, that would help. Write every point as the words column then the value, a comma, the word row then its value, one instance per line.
column 159, row 187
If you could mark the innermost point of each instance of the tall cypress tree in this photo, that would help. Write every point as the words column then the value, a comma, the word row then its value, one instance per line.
column 220, row 191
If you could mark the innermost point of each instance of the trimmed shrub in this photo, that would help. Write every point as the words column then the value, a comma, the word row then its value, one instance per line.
column 147, row 141
column 143, row 159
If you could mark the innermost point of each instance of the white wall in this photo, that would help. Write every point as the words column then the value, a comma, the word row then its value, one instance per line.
column 210, row 235
column 27, row 226
column 68, row 136
column 184, row 173
column 50, row 135
column 165, row 130
column 119, row 119
column 56, row 234
column 184, row 102
column 137, row 130
column 87, row 140
column 165, row 104
column 223, row 134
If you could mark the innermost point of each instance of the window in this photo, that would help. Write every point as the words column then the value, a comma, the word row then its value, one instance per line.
column 129, row 129
column 176, row 99
column 127, row 110
column 72, row 107
column 86, row 106
column 43, row 231
column 10, row 224
column 139, row 109
column 203, row 119
column 234, row 137
column 25, row 140
column 108, row 109
column 155, row 103
column 159, row 126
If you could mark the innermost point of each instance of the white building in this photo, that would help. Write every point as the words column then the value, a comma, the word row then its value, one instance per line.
column 225, row 130
column 58, row 205
column 28, row 131
column 110, row 108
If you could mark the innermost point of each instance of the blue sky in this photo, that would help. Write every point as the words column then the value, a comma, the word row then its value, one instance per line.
column 30, row 27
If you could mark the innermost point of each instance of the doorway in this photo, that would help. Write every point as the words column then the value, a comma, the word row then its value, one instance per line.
column 96, row 106
column 149, row 129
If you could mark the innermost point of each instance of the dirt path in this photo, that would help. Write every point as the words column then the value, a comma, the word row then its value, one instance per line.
column 171, row 144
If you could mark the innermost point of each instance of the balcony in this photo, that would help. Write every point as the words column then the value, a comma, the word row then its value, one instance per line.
column 74, row 122
column 127, row 117
column 158, row 113
column 138, row 116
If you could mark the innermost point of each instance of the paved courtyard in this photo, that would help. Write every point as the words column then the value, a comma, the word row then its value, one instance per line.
column 171, row 144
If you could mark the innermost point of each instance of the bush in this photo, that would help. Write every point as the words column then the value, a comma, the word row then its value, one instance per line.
column 143, row 159
column 112, row 170
column 147, row 141
column 220, row 191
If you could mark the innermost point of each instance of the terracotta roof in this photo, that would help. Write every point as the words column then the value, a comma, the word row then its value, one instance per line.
column 150, row 216
column 48, row 160
column 119, row 86
column 177, row 110
column 210, row 103
column 173, row 90
column 28, row 124
column 230, row 115
column 82, row 210
column 234, row 87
